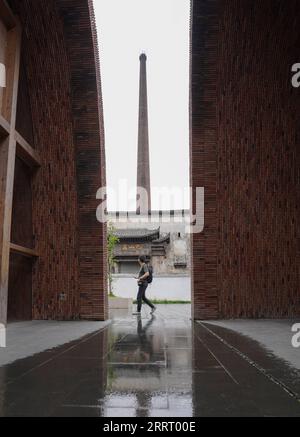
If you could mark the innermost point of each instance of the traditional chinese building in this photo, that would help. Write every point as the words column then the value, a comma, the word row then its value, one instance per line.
column 166, row 245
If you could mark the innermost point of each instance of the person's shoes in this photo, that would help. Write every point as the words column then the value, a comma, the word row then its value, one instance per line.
column 153, row 310
column 136, row 313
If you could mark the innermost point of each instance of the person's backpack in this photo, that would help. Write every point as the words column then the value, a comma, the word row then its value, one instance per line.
column 150, row 277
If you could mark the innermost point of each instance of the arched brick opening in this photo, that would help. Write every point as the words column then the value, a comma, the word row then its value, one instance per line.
column 245, row 153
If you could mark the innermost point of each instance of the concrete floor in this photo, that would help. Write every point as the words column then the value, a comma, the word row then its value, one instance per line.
column 164, row 366
column 25, row 339
column 274, row 335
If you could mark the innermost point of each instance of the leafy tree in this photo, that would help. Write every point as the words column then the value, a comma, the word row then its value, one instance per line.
column 112, row 240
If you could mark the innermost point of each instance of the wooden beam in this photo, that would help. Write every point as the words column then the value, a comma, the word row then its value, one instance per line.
column 4, row 127
column 26, row 152
column 7, row 164
column 4, row 248
column 10, row 95
column 6, row 15
column 24, row 251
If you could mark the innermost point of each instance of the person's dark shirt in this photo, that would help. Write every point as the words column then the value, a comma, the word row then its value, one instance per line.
column 144, row 269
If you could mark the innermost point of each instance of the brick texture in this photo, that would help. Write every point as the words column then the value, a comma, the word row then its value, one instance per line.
column 245, row 152
column 203, row 154
column 59, row 53
column 81, row 39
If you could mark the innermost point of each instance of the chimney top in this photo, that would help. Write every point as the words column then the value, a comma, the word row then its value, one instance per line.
column 143, row 57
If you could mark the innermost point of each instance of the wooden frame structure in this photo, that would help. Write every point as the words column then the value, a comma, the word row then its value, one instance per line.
column 12, row 145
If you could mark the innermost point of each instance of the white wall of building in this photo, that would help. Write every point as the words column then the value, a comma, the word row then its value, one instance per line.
column 162, row 287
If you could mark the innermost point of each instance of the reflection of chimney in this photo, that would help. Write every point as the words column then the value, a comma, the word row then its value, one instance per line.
column 143, row 164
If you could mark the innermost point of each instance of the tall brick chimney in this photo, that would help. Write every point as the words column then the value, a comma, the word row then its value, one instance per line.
column 143, row 164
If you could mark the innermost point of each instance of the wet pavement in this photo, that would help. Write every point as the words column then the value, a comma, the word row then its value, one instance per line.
column 274, row 334
column 162, row 366
column 25, row 339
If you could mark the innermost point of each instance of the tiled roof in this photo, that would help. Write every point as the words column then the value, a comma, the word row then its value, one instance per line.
column 150, row 234
column 163, row 239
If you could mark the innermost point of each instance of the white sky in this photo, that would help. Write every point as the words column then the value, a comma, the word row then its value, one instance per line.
column 160, row 28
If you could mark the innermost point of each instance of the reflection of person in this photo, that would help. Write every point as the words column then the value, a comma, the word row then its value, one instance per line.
column 146, row 350
column 146, row 355
column 142, row 331
column 143, row 284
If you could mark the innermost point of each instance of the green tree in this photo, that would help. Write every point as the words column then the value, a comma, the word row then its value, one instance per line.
column 112, row 240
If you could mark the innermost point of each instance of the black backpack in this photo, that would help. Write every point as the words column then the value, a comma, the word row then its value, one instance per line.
column 150, row 277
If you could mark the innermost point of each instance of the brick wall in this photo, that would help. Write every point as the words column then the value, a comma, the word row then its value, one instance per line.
column 64, row 88
column 88, row 131
column 203, row 153
column 243, row 102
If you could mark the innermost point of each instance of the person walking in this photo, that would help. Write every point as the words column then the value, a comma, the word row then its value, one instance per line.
column 143, row 284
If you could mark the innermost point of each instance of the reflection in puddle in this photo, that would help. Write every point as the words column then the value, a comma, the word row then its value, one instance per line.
column 162, row 366
column 144, row 368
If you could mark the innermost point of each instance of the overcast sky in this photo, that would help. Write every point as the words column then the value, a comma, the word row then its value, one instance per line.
column 160, row 28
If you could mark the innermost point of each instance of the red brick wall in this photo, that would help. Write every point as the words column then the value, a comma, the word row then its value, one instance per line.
column 81, row 40
column 203, row 154
column 242, row 101
column 63, row 80
column 258, row 159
